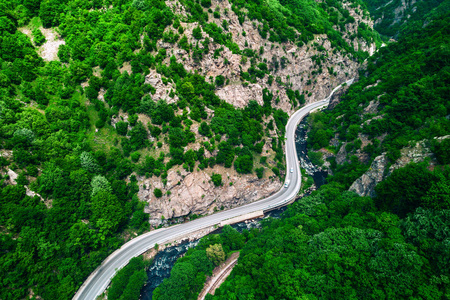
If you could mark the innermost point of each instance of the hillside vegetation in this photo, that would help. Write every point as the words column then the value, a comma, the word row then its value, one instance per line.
column 396, row 18
column 81, row 131
column 401, row 98
column 335, row 244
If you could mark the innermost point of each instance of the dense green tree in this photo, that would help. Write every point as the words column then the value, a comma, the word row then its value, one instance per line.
column 402, row 192
column 50, row 110
column 88, row 162
column 128, row 281
column 197, row 33
column 259, row 172
column 157, row 192
column 186, row 278
column 232, row 240
column 442, row 151
column 38, row 37
column 216, row 254
column 220, row 80
column 216, row 179
column 225, row 155
column 107, row 213
column 244, row 162
column 100, row 183
column 204, row 129
column 49, row 13
column 122, row 128
column 138, row 136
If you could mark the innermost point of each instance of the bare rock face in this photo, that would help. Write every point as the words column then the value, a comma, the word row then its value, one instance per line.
column 365, row 185
column 194, row 194
column 239, row 96
column 292, row 67
column 399, row 11
column 341, row 156
column 13, row 181
column 336, row 98
column 12, row 176
column 162, row 90
column 49, row 50
column 372, row 108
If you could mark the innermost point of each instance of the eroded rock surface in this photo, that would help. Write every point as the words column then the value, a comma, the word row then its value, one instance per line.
column 292, row 67
column 295, row 66
column 194, row 193
column 365, row 185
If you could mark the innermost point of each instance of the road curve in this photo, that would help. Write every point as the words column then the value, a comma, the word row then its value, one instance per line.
column 97, row 282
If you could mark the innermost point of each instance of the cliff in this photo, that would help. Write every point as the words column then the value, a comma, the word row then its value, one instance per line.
column 312, row 69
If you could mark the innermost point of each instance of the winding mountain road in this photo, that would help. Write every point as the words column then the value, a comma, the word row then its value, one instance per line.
column 98, row 281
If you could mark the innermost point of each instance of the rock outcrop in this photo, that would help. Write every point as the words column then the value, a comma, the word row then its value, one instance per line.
column 365, row 185
column 295, row 67
column 13, row 176
column 399, row 11
column 49, row 50
column 187, row 194
column 313, row 69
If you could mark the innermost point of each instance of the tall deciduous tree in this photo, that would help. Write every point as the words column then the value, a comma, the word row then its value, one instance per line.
column 216, row 254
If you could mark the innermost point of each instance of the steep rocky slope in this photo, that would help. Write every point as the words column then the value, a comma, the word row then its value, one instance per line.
column 395, row 115
column 381, row 168
column 312, row 69
column 394, row 17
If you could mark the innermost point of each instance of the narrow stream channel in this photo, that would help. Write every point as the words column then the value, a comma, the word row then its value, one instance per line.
column 319, row 176
column 165, row 259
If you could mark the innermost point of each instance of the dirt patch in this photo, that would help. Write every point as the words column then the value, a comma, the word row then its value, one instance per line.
column 126, row 67
column 218, row 276
column 25, row 30
column 49, row 50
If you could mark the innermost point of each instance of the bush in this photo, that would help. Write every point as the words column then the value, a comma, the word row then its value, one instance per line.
column 259, row 172
column 100, row 183
column 204, row 129
column 135, row 156
column 216, row 254
column 263, row 160
column 122, row 128
column 89, row 163
column 217, row 179
column 206, row 3
column 276, row 171
column 38, row 37
column 244, row 164
column 133, row 120
column 220, row 80
column 197, row 33
column 158, row 193
column 100, row 124
column 316, row 158
column 138, row 136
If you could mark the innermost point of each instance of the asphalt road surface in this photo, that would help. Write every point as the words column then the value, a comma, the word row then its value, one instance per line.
column 98, row 281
